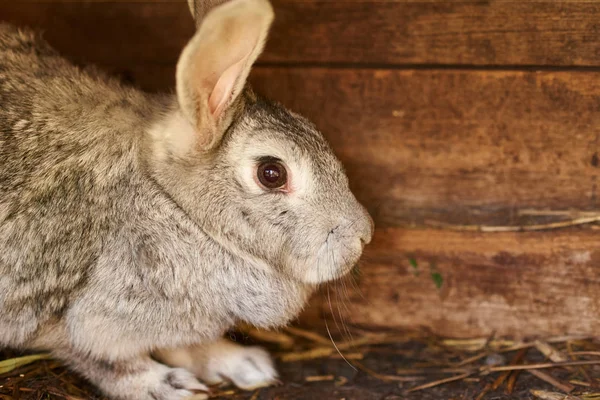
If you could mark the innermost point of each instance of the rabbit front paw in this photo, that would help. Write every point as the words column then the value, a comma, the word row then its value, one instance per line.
column 177, row 384
column 223, row 361
column 246, row 367
column 139, row 378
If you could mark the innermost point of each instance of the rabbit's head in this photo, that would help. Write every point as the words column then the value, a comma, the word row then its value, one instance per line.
column 259, row 180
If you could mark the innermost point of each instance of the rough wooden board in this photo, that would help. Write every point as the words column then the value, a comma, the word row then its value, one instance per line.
column 118, row 33
column 545, row 33
column 468, row 147
column 461, row 147
column 503, row 284
column 437, row 32
column 455, row 146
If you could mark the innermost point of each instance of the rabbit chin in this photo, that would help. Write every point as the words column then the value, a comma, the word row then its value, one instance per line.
column 329, row 263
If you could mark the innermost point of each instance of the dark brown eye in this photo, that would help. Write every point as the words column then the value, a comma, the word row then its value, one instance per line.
column 272, row 175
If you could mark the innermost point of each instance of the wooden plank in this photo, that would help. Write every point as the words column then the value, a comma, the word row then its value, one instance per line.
column 116, row 34
column 493, row 32
column 543, row 283
column 543, row 33
column 461, row 148
column 454, row 146
column 458, row 147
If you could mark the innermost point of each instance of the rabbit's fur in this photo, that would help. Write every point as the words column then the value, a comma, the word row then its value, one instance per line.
column 133, row 224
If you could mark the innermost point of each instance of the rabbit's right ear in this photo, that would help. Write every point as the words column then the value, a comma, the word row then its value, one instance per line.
column 214, row 66
column 199, row 8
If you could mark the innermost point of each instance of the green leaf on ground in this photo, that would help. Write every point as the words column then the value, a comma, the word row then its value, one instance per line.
column 14, row 363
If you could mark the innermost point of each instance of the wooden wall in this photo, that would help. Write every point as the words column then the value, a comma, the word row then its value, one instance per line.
column 448, row 116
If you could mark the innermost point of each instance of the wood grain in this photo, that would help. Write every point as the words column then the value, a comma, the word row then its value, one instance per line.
column 508, row 284
column 484, row 33
column 117, row 34
column 457, row 146
column 451, row 146
column 492, row 32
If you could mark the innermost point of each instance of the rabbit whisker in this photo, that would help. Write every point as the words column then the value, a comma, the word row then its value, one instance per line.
column 340, row 281
column 331, row 337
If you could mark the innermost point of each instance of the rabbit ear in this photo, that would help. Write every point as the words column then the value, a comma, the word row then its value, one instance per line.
column 199, row 8
column 214, row 66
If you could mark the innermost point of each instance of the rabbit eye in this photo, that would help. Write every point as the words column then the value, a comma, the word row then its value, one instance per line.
column 272, row 174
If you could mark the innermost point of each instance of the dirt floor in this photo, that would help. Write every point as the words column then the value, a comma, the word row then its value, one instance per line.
column 379, row 366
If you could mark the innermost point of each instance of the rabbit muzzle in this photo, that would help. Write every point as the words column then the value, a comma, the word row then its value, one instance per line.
column 342, row 247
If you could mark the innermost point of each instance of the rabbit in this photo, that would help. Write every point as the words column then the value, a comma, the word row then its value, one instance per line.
column 136, row 229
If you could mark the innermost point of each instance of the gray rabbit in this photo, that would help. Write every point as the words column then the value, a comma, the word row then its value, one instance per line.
column 137, row 228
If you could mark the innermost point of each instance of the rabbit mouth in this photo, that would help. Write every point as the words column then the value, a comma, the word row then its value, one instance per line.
column 335, row 258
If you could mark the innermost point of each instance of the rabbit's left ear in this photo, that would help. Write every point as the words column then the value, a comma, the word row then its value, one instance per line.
column 214, row 66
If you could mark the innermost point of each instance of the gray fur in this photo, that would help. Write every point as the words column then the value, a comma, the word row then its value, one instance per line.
column 111, row 249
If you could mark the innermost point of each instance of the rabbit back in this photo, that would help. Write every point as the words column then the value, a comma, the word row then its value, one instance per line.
column 67, row 142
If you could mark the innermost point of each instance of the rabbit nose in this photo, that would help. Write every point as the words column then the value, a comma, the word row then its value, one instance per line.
column 366, row 233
